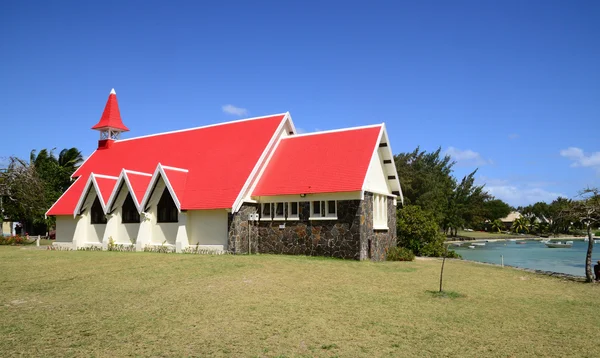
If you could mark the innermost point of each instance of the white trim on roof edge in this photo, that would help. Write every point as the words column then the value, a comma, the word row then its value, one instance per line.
column 334, row 131
column 137, row 173
column 362, row 195
column 123, row 177
column 63, row 194
column 202, row 127
column 175, row 169
column 159, row 171
column 391, row 153
column 86, row 159
column 92, row 179
column 266, row 152
column 105, row 176
column 83, row 194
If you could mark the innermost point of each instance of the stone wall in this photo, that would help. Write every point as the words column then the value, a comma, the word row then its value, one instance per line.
column 240, row 230
column 333, row 238
column 351, row 236
column 375, row 243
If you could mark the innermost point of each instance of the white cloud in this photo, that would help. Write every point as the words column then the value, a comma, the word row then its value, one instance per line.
column 513, row 136
column 580, row 159
column 237, row 111
column 300, row 130
column 467, row 157
column 518, row 196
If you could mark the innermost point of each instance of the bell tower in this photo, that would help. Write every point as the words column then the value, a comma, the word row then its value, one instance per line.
column 110, row 125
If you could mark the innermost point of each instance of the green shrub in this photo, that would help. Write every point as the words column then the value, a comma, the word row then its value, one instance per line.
column 597, row 233
column 418, row 231
column 400, row 254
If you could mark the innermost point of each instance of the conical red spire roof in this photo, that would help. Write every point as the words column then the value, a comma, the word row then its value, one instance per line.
column 111, row 117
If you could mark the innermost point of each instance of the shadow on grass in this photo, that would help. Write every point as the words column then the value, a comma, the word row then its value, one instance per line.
column 445, row 294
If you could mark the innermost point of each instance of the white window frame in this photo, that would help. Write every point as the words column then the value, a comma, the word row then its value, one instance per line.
column 274, row 214
column 262, row 210
column 291, row 216
column 324, row 210
column 380, row 218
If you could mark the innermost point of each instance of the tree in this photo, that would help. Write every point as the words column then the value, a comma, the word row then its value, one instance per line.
column 23, row 192
column 426, row 180
column 587, row 211
column 418, row 231
column 520, row 225
column 560, row 215
column 497, row 225
column 495, row 209
column 43, row 178
column 466, row 205
column 70, row 159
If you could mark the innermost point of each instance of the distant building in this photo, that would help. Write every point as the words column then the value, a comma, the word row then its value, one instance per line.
column 248, row 185
column 510, row 219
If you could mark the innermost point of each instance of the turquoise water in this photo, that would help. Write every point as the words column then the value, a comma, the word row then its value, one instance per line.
column 533, row 255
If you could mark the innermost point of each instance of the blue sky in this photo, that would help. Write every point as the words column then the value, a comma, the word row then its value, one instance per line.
column 511, row 87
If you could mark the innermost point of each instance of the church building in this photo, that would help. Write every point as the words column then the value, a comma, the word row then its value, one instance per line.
column 248, row 186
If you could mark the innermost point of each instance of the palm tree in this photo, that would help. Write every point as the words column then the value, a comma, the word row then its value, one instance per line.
column 497, row 225
column 43, row 157
column 70, row 158
column 520, row 225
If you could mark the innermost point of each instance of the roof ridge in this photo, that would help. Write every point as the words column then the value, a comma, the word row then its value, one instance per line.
column 202, row 127
column 334, row 131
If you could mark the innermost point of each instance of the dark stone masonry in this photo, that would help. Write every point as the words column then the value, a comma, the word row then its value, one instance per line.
column 350, row 236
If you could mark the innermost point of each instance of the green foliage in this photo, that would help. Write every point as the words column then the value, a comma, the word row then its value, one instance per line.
column 496, row 209
column 466, row 205
column 497, row 225
column 426, row 180
column 520, row 225
column 400, row 254
column 418, row 231
column 597, row 233
column 30, row 187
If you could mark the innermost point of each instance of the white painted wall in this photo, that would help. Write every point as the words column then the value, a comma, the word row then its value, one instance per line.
column 160, row 231
column 208, row 227
column 85, row 231
column 376, row 180
column 65, row 228
column 124, row 233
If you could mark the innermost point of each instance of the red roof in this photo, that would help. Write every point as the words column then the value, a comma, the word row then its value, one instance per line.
column 327, row 162
column 139, row 184
column 111, row 117
column 177, row 180
column 219, row 160
column 106, row 186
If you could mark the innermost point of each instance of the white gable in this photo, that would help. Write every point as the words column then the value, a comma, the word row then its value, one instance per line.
column 376, row 180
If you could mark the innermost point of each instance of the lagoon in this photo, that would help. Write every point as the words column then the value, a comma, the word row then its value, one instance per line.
column 533, row 255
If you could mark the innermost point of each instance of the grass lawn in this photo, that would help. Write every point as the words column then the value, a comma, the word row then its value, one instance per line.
column 111, row 304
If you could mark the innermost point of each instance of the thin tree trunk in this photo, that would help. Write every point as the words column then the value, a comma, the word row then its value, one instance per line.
column 589, row 274
column 443, row 262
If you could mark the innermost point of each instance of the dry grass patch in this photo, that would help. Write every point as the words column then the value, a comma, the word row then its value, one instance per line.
column 108, row 304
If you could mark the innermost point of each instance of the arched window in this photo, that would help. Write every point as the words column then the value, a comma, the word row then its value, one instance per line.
column 97, row 213
column 130, row 214
column 167, row 211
